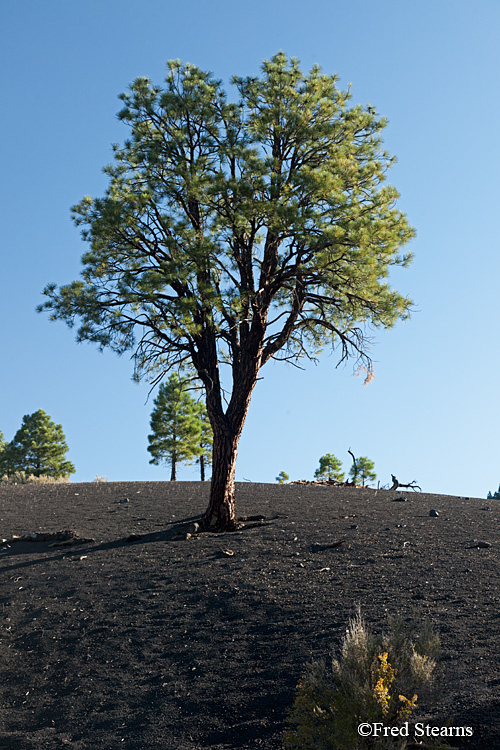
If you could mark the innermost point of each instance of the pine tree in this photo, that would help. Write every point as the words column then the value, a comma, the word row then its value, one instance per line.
column 39, row 448
column 7, row 457
column 3, row 456
column 239, row 233
column 176, row 425
column 8, row 460
column 205, row 440
column 495, row 495
column 329, row 468
column 282, row 477
column 362, row 470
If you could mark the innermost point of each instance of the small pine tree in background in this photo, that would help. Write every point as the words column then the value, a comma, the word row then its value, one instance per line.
column 175, row 424
column 282, row 477
column 5, row 461
column 8, row 459
column 38, row 449
column 362, row 470
column 9, row 463
column 205, row 439
column 3, row 445
column 495, row 495
column 329, row 468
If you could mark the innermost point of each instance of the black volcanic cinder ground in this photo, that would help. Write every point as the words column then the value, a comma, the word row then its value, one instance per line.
column 175, row 645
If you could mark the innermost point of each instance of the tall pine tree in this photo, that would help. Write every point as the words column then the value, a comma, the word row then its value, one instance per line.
column 235, row 233
column 39, row 448
column 175, row 424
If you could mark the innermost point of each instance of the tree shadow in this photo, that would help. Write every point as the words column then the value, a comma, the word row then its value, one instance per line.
column 39, row 551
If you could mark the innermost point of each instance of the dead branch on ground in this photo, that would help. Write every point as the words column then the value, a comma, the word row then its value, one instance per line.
column 396, row 484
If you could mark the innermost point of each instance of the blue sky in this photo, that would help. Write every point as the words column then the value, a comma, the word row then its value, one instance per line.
column 432, row 411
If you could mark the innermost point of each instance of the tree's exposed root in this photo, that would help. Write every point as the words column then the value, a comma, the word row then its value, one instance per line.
column 202, row 526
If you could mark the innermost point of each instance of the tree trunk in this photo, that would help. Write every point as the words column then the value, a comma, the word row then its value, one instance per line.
column 227, row 426
column 220, row 514
column 202, row 467
column 173, row 474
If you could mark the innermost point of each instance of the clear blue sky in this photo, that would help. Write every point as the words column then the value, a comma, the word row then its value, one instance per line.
column 432, row 411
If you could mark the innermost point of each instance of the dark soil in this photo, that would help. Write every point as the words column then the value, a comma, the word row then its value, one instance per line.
column 179, row 645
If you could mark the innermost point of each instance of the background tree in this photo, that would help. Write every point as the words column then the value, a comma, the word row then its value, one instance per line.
column 39, row 448
column 329, row 468
column 235, row 233
column 282, row 477
column 495, row 495
column 175, row 424
column 362, row 470
column 8, row 460
column 206, row 439
column 4, row 457
column 3, row 444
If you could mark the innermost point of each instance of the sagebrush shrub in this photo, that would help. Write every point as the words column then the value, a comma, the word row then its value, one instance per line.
column 376, row 679
column 21, row 477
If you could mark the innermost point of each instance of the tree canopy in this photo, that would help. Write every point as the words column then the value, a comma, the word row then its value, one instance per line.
column 38, row 449
column 235, row 232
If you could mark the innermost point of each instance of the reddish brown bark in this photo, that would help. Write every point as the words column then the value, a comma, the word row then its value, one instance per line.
column 227, row 427
column 227, row 423
column 220, row 514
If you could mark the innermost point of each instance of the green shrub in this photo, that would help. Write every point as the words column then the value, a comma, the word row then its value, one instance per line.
column 376, row 679
column 282, row 477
